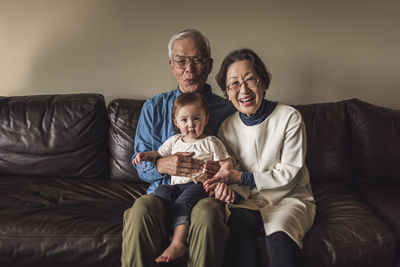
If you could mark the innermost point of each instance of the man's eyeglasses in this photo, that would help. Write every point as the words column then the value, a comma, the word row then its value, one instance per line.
column 182, row 62
column 250, row 82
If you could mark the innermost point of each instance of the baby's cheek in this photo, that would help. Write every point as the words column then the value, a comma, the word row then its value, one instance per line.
column 183, row 131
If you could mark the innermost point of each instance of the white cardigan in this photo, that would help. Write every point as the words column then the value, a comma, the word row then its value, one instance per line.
column 274, row 151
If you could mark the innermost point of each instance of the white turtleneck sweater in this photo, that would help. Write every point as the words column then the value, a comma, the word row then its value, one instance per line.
column 274, row 151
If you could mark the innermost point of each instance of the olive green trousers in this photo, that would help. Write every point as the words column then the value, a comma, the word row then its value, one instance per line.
column 146, row 231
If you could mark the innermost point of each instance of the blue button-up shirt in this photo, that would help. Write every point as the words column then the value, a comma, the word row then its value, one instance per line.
column 155, row 126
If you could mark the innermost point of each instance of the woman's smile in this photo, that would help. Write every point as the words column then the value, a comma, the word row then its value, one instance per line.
column 246, row 101
column 247, row 94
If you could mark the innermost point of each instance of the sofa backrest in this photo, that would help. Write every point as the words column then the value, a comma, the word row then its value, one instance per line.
column 375, row 142
column 328, row 141
column 123, row 115
column 344, row 139
column 54, row 136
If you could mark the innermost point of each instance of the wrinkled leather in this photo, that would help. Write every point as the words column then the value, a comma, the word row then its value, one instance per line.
column 376, row 142
column 59, row 207
column 346, row 232
column 61, row 136
column 63, row 222
column 328, row 141
column 384, row 199
column 123, row 115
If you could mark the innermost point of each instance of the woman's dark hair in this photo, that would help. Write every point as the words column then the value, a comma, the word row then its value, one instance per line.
column 239, row 55
column 184, row 99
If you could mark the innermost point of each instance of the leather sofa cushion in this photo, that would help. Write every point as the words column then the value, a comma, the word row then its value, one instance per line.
column 384, row 199
column 123, row 115
column 328, row 141
column 375, row 142
column 346, row 232
column 63, row 222
column 54, row 136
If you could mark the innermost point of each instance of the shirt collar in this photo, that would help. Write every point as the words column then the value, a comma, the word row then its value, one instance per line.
column 206, row 91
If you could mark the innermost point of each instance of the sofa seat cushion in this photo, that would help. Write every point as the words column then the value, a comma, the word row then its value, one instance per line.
column 346, row 232
column 56, row 222
column 384, row 199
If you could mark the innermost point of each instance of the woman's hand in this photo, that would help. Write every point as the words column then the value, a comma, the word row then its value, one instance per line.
column 223, row 192
column 180, row 164
column 230, row 176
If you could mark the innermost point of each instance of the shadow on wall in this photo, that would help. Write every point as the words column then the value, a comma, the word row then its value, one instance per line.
column 89, row 52
column 324, row 82
column 97, row 46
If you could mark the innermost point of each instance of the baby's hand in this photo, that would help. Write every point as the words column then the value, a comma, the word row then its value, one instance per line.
column 139, row 158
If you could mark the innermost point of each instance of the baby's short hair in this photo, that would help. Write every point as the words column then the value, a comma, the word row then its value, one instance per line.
column 188, row 98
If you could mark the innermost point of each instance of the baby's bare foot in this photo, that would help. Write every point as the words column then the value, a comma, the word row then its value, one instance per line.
column 171, row 253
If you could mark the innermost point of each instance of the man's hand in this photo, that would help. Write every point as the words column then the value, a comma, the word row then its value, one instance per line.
column 211, row 168
column 180, row 164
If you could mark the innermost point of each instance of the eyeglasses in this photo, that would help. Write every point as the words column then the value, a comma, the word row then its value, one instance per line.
column 182, row 62
column 250, row 82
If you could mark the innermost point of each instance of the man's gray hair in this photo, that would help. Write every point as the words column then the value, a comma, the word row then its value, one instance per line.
column 192, row 34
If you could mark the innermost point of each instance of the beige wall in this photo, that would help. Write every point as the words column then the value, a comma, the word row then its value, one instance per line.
column 317, row 51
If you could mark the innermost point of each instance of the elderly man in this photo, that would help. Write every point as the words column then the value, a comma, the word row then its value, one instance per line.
column 146, row 226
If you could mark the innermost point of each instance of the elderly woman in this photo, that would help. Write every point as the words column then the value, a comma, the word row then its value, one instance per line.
column 268, row 140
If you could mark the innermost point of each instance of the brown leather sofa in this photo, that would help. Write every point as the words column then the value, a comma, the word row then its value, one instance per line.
column 66, row 179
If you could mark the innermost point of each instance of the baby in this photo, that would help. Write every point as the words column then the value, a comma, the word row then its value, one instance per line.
column 190, row 116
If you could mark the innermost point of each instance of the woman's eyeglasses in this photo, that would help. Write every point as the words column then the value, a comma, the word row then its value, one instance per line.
column 250, row 82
